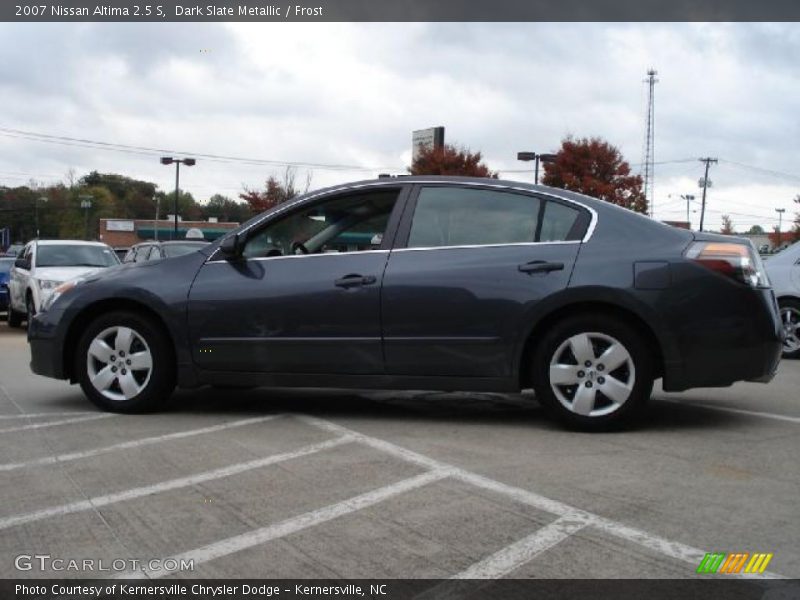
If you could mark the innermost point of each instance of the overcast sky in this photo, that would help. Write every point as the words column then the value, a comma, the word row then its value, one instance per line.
column 351, row 93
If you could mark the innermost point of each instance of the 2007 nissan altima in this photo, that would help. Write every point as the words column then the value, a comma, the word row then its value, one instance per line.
column 426, row 283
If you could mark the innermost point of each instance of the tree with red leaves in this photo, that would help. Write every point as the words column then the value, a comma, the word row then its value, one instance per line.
column 594, row 167
column 727, row 226
column 450, row 160
column 275, row 192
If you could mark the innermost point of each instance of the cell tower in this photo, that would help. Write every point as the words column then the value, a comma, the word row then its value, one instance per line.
column 648, row 158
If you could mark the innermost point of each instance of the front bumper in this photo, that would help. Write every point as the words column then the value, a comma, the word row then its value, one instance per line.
column 47, row 350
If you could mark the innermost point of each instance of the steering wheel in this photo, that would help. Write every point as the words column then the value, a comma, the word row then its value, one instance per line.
column 299, row 248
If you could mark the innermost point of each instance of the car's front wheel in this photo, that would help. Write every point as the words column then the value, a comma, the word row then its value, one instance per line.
column 593, row 372
column 15, row 318
column 790, row 317
column 125, row 363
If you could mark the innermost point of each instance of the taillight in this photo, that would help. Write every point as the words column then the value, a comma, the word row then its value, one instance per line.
column 737, row 261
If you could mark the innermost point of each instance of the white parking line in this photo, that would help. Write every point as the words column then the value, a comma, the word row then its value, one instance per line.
column 157, row 439
column 740, row 411
column 256, row 537
column 46, row 414
column 172, row 484
column 93, row 417
column 673, row 549
column 510, row 558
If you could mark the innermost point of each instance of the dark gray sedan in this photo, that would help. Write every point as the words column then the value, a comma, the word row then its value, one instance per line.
column 426, row 283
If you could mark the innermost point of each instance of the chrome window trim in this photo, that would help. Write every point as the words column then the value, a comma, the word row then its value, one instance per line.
column 261, row 258
column 394, row 183
column 468, row 246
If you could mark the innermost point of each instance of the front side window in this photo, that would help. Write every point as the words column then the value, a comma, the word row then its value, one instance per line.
column 350, row 223
column 450, row 216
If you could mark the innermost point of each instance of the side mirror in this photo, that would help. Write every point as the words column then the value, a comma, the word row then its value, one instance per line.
column 22, row 263
column 231, row 246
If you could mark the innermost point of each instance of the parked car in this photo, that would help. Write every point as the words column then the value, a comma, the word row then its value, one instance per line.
column 155, row 250
column 784, row 274
column 45, row 264
column 13, row 250
column 426, row 283
column 5, row 266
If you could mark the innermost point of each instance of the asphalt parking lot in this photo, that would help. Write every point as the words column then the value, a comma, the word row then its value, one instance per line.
column 287, row 484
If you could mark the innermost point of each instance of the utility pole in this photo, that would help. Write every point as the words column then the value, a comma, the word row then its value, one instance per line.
column 689, row 198
column 648, row 160
column 780, row 212
column 704, row 184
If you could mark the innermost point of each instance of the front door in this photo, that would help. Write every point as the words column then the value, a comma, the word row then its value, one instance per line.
column 305, row 295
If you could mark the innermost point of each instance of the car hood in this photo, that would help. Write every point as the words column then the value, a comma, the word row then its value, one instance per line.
column 64, row 273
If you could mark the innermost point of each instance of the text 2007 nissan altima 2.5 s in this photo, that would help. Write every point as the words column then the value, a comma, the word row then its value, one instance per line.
column 426, row 283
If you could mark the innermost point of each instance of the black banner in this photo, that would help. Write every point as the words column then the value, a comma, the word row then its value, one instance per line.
column 398, row 10
column 402, row 589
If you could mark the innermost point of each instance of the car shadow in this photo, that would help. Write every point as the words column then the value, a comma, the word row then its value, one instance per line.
column 433, row 407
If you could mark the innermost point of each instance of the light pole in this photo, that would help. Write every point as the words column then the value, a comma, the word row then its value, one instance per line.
column 529, row 156
column 36, row 212
column 780, row 212
column 86, row 204
column 189, row 162
column 155, row 223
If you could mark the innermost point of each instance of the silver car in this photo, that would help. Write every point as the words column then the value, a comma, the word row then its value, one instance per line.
column 784, row 273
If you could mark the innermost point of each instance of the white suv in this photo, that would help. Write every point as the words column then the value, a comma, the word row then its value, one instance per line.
column 45, row 264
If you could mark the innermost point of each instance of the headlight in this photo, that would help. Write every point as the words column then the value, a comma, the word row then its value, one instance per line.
column 47, row 285
column 57, row 291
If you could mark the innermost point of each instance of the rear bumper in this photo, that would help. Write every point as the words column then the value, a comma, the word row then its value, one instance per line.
column 741, row 341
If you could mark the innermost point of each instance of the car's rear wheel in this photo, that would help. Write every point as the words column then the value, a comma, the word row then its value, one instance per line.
column 124, row 363
column 790, row 317
column 593, row 372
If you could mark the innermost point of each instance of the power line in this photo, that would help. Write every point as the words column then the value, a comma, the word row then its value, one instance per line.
column 129, row 149
column 762, row 170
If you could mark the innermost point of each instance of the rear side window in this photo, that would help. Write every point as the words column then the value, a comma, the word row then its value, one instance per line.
column 559, row 223
column 447, row 216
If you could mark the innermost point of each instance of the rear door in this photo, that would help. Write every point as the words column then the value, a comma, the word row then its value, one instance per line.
column 469, row 264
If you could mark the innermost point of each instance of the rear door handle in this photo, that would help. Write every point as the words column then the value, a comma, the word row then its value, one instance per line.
column 354, row 280
column 540, row 266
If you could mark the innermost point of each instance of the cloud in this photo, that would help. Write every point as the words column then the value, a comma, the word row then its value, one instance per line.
column 351, row 93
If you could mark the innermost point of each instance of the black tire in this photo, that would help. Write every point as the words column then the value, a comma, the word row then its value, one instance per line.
column 793, row 305
column 635, row 373
column 15, row 318
column 30, row 309
column 155, row 389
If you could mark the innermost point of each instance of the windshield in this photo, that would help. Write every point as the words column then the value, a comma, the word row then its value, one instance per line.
column 6, row 264
column 173, row 250
column 75, row 255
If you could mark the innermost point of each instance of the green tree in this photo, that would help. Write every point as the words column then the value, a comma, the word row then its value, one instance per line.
column 756, row 230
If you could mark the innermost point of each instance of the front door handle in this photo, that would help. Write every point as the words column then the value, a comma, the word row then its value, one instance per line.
column 354, row 280
column 540, row 266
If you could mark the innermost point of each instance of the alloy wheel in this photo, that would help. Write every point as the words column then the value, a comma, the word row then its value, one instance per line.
column 790, row 317
column 119, row 363
column 592, row 374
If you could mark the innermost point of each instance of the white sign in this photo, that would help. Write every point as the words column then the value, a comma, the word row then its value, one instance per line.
column 433, row 137
column 119, row 226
